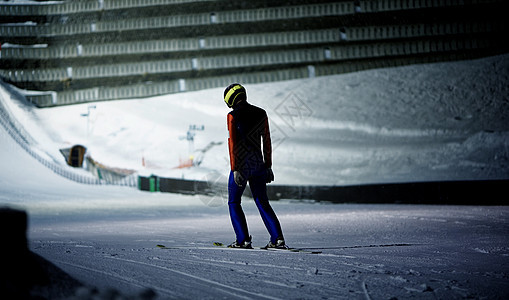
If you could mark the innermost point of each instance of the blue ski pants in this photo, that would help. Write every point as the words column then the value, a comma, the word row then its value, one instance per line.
column 258, row 186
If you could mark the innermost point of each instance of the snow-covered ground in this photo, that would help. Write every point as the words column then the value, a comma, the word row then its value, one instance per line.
column 443, row 121
column 368, row 252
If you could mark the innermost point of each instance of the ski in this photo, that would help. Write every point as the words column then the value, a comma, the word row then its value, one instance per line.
column 201, row 248
column 292, row 250
column 219, row 244
column 225, row 247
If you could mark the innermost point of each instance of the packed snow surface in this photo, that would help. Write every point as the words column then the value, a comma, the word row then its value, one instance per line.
column 443, row 121
column 368, row 251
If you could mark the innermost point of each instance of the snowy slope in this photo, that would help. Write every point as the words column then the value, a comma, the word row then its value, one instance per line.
column 444, row 121
column 27, row 184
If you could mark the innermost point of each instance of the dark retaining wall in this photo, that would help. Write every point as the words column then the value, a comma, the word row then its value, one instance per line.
column 482, row 192
column 24, row 274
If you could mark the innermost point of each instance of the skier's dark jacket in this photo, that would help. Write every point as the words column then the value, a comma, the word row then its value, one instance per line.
column 248, row 126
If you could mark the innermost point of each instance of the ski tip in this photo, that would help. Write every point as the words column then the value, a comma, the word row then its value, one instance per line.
column 160, row 246
column 219, row 244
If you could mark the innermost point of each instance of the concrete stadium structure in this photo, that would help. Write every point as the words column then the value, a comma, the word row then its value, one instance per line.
column 67, row 52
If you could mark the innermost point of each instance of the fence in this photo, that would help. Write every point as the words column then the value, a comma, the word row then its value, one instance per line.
column 453, row 192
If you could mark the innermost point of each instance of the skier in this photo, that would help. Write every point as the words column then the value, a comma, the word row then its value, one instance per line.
column 248, row 125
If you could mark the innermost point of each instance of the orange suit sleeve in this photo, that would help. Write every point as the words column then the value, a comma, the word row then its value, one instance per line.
column 231, row 141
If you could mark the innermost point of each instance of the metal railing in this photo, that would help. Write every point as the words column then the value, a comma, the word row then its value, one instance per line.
column 335, row 52
column 292, row 38
column 73, row 7
column 219, row 17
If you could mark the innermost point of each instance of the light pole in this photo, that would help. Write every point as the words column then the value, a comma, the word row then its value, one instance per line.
column 88, row 117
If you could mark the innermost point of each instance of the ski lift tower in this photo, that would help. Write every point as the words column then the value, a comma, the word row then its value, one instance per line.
column 191, row 132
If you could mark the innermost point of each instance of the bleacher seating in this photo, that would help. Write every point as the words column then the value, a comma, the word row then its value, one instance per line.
column 96, row 50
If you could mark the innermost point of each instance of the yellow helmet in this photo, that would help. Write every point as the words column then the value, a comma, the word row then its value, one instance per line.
column 234, row 93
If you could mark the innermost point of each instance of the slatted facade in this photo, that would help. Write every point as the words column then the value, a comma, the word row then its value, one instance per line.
column 96, row 50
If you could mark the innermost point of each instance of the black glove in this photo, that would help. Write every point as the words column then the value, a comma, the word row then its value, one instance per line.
column 270, row 176
column 238, row 178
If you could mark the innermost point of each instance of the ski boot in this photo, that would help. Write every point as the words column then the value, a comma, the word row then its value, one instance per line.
column 245, row 245
column 280, row 244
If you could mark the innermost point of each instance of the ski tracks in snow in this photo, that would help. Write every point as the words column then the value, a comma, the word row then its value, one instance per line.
column 361, row 272
column 292, row 275
column 221, row 287
column 207, row 273
column 169, row 282
column 384, row 252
